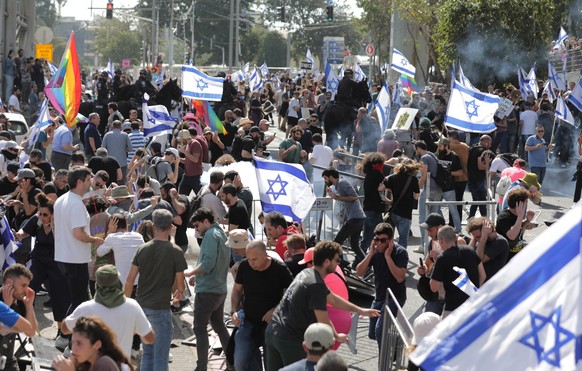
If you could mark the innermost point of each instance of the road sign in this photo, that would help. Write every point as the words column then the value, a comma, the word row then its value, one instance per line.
column 306, row 65
column 126, row 63
column 370, row 50
column 45, row 51
column 43, row 35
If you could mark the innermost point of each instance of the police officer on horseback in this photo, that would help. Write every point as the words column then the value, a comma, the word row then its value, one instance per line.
column 346, row 89
column 143, row 85
column 228, row 93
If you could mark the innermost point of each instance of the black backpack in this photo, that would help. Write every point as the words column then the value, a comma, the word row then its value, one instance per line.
column 443, row 177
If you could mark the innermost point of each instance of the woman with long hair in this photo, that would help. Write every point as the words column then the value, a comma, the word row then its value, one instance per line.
column 93, row 348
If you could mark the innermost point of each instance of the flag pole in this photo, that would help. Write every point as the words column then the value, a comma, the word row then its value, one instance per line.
column 549, row 155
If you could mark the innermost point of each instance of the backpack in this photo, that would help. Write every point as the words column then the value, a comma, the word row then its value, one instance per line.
column 502, row 185
column 152, row 170
column 443, row 177
column 196, row 201
column 508, row 158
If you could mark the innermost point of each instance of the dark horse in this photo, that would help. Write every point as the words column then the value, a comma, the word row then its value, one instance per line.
column 339, row 117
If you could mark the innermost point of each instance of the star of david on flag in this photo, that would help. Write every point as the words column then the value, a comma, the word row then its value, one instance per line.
column 471, row 110
column 156, row 120
column 331, row 79
column 401, row 64
column 383, row 106
column 284, row 188
column 198, row 85
column 526, row 317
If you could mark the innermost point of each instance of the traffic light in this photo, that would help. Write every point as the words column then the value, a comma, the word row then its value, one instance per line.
column 281, row 13
column 330, row 13
column 109, row 12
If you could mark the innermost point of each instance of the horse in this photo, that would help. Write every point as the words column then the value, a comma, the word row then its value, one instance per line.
column 339, row 117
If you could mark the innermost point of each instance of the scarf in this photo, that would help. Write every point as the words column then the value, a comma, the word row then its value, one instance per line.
column 110, row 296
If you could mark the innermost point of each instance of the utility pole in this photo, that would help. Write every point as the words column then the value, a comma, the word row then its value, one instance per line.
column 236, row 38
column 171, row 51
column 192, row 32
column 231, row 46
column 154, row 6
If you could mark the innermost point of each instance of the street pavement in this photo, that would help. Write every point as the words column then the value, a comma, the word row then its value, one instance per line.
column 557, row 189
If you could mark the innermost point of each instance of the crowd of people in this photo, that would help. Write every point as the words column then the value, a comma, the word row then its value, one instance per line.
column 109, row 213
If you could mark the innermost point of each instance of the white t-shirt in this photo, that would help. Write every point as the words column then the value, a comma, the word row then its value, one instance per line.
column 293, row 103
column 13, row 101
column 530, row 119
column 124, row 246
column 498, row 165
column 323, row 156
column 70, row 213
column 125, row 320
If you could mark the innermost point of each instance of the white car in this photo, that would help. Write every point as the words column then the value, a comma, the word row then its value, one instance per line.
column 18, row 125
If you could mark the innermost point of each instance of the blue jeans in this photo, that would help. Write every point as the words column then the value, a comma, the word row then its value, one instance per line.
column 247, row 356
column 453, row 210
column 376, row 323
column 540, row 172
column 155, row 356
column 373, row 218
column 479, row 193
column 403, row 227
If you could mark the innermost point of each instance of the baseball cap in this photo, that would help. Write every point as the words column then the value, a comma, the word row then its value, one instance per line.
column 11, row 144
column 238, row 239
column 126, row 126
column 423, row 325
column 307, row 257
column 172, row 151
column 25, row 174
column 255, row 129
column 318, row 337
column 433, row 220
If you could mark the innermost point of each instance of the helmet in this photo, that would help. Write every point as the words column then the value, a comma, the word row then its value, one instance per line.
column 348, row 71
column 143, row 71
column 104, row 73
column 221, row 74
column 118, row 71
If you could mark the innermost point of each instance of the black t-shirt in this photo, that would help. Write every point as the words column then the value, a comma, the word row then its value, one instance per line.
column 248, row 144
column 497, row 251
column 452, row 161
column 306, row 142
column 44, row 248
column 293, row 264
column 460, row 256
column 238, row 215
column 383, row 278
column 307, row 293
column 50, row 187
column 215, row 151
column 45, row 167
column 395, row 183
column 7, row 186
column 372, row 200
column 429, row 138
column 475, row 175
column 22, row 216
column 440, row 120
column 505, row 220
column 230, row 133
column 315, row 130
column 262, row 289
column 107, row 163
column 181, row 238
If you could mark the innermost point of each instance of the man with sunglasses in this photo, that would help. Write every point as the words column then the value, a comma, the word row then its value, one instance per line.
column 537, row 153
column 389, row 261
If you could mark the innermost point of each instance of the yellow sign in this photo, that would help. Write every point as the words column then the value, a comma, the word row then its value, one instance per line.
column 45, row 51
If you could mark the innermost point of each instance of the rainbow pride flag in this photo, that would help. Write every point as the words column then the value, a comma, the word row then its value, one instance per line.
column 64, row 88
column 206, row 114
column 409, row 84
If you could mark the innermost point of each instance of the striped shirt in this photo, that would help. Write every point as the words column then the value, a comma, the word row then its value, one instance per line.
column 137, row 141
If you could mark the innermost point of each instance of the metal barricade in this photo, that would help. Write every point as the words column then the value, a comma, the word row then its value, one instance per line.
column 392, row 353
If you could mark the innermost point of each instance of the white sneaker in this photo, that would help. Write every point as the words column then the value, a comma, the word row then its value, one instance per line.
column 170, row 358
column 61, row 342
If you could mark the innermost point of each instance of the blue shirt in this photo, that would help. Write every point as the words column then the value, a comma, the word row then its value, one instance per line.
column 536, row 157
column 91, row 132
column 7, row 315
column 63, row 136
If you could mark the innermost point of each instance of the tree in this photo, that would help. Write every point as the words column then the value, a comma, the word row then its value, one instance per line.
column 375, row 20
column 46, row 12
column 116, row 40
column 261, row 45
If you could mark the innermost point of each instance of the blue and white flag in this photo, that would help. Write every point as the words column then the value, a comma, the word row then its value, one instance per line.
column 156, row 119
column 8, row 244
column 562, row 112
column 198, row 85
column 464, row 80
column 532, row 81
column 401, row 64
column 110, row 69
column 563, row 36
column 284, row 188
column 383, row 106
column 359, row 74
column 264, row 70
column 255, row 81
column 309, row 58
column 340, row 72
column 52, row 68
column 471, row 111
column 43, row 120
column 523, row 83
column 245, row 69
column 549, row 91
column 575, row 96
column 464, row 283
column 331, row 80
column 160, row 79
column 237, row 76
column 396, row 93
column 526, row 317
column 555, row 79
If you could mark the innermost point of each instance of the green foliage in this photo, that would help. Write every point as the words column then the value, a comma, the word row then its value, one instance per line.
column 46, row 13
column 261, row 45
column 116, row 40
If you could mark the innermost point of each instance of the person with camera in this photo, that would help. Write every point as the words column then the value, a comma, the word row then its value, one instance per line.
column 537, row 153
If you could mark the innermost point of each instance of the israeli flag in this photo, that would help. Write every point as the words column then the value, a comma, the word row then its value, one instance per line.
column 52, row 68
column 563, row 36
column 575, row 96
column 401, row 64
column 383, row 106
column 156, row 119
column 464, row 80
column 331, row 79
column 523, row 84
column 284, row 188
column 237, row 76
column 532, row 81
column 464, row 283
column 562, row 112
column 470, row 110
column 359, row 74
column 340, row 72
column 526, row 317
column 255, row 81
column 264, row 70
column 198, row 85
column 245, row 69
column 8, row 244
column 556, row 80
column 396, row 93
column 309, row 58
column 110, row 69
column 548, row 89
column 43, row 120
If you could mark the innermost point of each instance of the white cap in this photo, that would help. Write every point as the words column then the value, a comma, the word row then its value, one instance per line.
column 423, row 325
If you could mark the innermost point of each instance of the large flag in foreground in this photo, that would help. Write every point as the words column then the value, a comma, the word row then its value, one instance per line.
column 401, row 64
column 198, row 85
column 64, row 88
column 575, row 96
column 383, row 106
column 156, row 119
column 527, row 317
column 8, row 244
column 471, row 110
column 284, row 188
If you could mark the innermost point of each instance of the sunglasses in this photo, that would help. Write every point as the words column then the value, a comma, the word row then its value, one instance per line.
column 539, row 131
column 44, row 214
column 381, row 240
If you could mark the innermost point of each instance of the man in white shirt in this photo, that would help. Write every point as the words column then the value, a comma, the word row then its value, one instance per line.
column 322, row 155
column 293, row 113
column 528, row 121
column 14, row 101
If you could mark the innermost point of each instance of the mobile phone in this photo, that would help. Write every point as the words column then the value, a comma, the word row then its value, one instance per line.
column 421, row 262
column 535, row 218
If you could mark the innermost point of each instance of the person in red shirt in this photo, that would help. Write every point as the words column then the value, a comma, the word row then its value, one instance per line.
column 192, row 151
column 278, row 230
